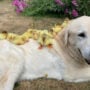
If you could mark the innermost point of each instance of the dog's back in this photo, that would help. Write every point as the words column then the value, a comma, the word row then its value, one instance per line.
column 40, row 62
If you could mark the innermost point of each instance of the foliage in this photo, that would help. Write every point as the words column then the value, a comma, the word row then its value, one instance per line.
column 62, row 8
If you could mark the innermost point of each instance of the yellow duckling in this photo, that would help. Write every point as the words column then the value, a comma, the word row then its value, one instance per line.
column 30, row 33
column 36, row 34
column 65, row 23
column 11, row 36
column 25, row 36
column 56, row 29
column 45, row 38
column 18, row 40
column 41, row 39
column 3, row 35
column 47, row 33
column 48, row 41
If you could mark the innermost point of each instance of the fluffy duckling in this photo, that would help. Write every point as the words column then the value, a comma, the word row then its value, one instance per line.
column 29, row 33
column 57, row 28
column 65, row 23
column 45, row 38
column 25, row 36
column 11, row 36
column 3, row 35
column 19, row 40
column 36, row 34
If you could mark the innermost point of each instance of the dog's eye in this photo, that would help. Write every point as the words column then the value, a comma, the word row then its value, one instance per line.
column 82, row 35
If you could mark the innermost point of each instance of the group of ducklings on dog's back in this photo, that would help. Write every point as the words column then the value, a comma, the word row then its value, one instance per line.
column 43, row 37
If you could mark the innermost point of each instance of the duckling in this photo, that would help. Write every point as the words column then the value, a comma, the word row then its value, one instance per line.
column 65, row 23
column 25, row 36
column 41, row 39
column 36, row 34
column 30, row 33
column 57, row 28
column 11, row 36
column 48, row 41
column 18, row 40
column 3, row 35
column 45, row 38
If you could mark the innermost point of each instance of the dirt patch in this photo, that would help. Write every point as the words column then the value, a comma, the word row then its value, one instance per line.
column 12, row 22
column 49, row 84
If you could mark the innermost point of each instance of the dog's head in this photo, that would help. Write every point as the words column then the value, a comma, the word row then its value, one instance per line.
column 77, row 35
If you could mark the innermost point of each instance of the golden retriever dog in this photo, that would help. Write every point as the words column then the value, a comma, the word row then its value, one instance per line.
column 68, row 60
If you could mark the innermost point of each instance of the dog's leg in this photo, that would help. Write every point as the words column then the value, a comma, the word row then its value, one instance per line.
column 78, row 75
column 8, row 79
column 10, row 71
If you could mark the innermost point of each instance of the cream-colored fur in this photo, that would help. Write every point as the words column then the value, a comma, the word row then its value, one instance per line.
column 65, row 61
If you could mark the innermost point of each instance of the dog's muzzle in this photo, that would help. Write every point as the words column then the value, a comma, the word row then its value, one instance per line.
column 87, row 60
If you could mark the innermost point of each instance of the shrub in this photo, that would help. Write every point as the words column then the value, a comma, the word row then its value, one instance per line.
column 62, row 8
column 20, row 5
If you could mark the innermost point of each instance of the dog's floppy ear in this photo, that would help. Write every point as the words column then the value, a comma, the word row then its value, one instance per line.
column 63, row 36
column 66, row 36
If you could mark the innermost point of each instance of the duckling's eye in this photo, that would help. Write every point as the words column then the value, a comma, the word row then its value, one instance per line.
column 83, row 35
